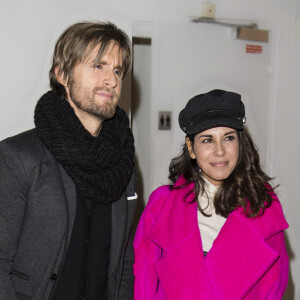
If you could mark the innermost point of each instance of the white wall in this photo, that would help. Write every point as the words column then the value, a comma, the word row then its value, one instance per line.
column 28, row 30
column 141, row 119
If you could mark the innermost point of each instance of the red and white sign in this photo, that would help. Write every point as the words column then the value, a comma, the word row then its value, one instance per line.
column 253, row 49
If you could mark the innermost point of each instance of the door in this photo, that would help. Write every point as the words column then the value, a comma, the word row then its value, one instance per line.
column 191, row 58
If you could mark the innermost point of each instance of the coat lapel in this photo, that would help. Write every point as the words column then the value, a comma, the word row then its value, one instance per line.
column 174, row 220
column 69, row 196
column 242, row 250
column 181, row 266
column 239, row 258
column 118, row 231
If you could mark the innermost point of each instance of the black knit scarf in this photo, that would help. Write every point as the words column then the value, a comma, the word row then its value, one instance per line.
column 99, row 166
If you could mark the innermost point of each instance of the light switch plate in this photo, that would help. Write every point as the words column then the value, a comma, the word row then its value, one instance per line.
column 164, row 120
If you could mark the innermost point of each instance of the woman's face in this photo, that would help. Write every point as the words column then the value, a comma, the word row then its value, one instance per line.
column 216, row 151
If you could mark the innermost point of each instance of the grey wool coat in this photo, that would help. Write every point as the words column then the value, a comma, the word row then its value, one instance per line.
column 37, row 211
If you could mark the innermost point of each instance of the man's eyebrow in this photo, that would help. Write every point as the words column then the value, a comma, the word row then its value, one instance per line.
column 98, row 62
column 119, row 68
column 103, row 62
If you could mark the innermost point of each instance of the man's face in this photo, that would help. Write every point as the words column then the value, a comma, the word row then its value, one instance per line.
column 95, row 88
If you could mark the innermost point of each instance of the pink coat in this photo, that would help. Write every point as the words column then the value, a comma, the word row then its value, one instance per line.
column 248, row 259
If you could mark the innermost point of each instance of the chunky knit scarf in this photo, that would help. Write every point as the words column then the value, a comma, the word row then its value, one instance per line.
column 99, row 166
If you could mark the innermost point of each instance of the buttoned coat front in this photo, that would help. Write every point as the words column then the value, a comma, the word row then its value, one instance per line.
column 248, row 259
column 37, row 211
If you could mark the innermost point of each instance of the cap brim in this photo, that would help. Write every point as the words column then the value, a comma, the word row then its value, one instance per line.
column 221, row 122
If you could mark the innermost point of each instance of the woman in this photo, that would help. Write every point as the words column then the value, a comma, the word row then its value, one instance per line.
column 216, row 232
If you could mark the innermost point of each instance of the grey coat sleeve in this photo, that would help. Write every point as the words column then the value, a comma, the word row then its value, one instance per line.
column 12, row 210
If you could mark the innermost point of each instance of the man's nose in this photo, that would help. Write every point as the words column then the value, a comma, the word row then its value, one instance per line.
column 110, row 78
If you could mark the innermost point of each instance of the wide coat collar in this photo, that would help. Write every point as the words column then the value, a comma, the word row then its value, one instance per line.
column 238, row 259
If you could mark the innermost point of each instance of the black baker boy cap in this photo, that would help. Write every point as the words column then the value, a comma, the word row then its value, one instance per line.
column 216, row 108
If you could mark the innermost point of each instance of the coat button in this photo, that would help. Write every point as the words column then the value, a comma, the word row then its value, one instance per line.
column 53, row 276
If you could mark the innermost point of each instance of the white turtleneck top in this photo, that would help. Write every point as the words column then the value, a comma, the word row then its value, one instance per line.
column 209, row 226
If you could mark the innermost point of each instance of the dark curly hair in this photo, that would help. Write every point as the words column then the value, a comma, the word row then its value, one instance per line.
column 247, row 187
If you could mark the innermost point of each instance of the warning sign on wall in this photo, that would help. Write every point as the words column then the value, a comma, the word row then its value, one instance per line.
column 253, row 48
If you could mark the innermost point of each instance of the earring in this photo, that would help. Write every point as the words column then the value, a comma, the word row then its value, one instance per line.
column 192, row 155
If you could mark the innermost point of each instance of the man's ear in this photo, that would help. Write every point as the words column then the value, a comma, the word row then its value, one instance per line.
column 190, row 148
column 60, row 77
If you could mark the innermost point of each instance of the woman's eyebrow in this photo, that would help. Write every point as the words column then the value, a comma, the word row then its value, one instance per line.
column 230, row 132
column 210, row 135
column 205, row 135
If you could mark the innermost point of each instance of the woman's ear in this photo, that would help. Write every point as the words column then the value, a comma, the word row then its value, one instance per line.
column 190, row 148
column 60, row 77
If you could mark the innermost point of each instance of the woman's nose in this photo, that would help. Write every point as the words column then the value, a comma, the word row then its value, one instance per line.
column 219, row 149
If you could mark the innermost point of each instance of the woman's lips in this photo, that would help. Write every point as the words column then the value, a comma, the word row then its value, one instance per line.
column 219, row 164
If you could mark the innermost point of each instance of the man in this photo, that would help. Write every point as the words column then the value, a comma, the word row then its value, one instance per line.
column 67, row 189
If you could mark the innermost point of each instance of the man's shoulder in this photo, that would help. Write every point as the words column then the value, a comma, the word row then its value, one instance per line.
column 22, row 139
column 24, row 144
